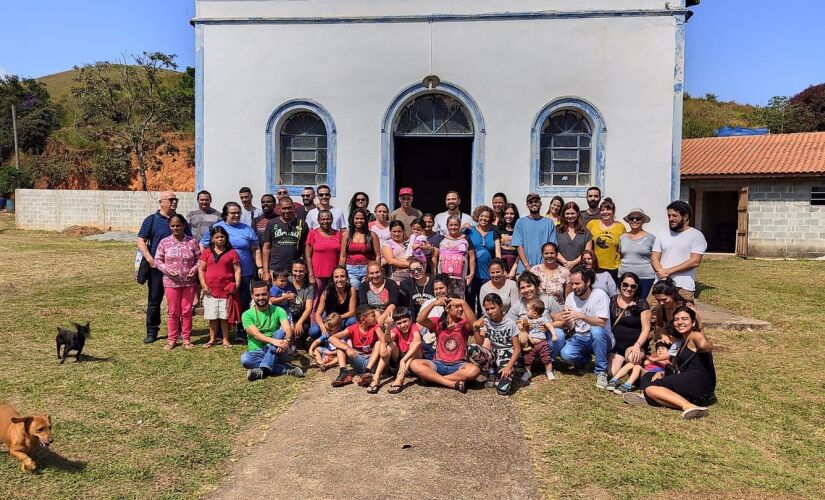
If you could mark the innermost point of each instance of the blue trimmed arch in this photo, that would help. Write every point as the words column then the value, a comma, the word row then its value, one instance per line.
column 597, row 145
column 273, row 128
column 388, row 144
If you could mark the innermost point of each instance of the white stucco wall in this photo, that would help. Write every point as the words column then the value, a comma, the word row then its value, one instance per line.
column 624, row 66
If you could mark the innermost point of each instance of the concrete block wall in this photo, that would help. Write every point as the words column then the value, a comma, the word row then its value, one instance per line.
column 57, row 209
column 782, row 222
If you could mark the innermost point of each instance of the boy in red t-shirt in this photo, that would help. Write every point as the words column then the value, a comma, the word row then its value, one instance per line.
column 398, row 347
column 363, row 336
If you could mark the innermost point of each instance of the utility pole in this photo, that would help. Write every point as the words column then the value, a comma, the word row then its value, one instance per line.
column 14, row 127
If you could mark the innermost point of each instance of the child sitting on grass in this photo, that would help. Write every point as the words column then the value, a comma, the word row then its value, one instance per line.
column 322, row 351
column 653, row 364
column 537, row 324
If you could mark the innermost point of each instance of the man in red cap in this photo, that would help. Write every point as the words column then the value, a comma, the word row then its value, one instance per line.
column 406, row 213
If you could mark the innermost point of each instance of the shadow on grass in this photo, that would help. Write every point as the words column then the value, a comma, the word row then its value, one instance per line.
column 92, row 359
column 48, row 459
column 701, row 287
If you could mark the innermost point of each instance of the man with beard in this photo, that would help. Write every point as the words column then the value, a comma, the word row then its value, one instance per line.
column 406, row 213
column 587, row 313
column 677, row 252
column 269, row 212
column 284, row 239
column 339, row 221
column 249, row 211
column 268, row 333
column 202, row 219
column 531, row 232
column 594, row 197
column 452, row 201
column 307, row 203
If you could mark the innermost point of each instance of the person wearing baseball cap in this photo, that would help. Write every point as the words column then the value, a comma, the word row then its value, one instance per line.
column 405, row 213
column 635, row 248
column 531, row 233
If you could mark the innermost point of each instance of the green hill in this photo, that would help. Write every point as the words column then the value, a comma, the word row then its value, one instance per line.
column 702, row 116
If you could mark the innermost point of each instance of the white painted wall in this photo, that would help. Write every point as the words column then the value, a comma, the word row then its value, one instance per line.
column 624, row 66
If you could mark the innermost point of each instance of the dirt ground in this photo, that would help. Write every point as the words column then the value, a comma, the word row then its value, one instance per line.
column 423, row 443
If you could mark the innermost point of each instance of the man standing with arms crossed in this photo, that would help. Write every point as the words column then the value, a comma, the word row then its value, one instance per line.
column 677, row 252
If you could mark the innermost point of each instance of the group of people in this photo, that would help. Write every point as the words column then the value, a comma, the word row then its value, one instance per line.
column 444, row 297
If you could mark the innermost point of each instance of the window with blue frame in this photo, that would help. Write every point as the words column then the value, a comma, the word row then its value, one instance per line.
column 303, row 151
column 565, row 157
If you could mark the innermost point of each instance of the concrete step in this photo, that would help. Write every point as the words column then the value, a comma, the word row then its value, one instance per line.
column 719, row 319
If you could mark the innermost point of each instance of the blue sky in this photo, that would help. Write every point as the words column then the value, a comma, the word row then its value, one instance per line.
column 742, row 50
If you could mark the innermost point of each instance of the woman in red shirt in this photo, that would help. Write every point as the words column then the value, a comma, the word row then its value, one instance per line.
column 219, row 271
column 358, row 247
column 450, row 367
column 323, row 249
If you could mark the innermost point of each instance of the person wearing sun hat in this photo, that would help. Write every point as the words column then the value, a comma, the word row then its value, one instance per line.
column 635, row 248
column 405, row 213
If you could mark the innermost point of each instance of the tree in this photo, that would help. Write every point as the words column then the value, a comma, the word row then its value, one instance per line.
column 811, row 103
column 782, row 117
column 129, row 107
column 37, row 118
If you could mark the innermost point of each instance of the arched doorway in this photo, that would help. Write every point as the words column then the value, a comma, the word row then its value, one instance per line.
column 433, row 142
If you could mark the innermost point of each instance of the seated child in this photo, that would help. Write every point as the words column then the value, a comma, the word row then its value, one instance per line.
column 501, row 338
column 418, row 241
column 398, row 347
column 322, row 351
column 363, row 336
column 537, row 324
column 281, row 292
column 653, row 364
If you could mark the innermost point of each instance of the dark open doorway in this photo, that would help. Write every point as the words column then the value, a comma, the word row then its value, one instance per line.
column 432, row 166
column 719, row 220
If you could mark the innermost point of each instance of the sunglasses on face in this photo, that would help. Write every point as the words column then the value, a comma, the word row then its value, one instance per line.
column 324, row 195
column 283, row 192
column 416, row 270
column 361, row 199
column 631, row 286
column 306, row 196
column 172, row 200
column 634, row 219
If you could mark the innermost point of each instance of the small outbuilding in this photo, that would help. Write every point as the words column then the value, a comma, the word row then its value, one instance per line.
column 758, row 196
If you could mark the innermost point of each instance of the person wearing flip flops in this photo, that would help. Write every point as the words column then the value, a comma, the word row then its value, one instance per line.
column 690, row 382
column 362, row 355
column 449, row 368
column 399, row 347
column 502, row 343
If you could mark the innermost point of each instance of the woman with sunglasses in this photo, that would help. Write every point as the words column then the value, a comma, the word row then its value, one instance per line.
column 630, row 323
column 360, row 200
column 635, row 248
column 417, row 288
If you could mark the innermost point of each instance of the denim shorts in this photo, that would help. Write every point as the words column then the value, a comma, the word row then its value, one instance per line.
column 359, row 362
column 445, row 369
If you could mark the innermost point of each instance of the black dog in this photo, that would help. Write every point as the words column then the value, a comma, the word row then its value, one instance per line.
column 71, row 341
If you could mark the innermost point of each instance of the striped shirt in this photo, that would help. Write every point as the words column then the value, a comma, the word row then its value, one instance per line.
column 156, row 227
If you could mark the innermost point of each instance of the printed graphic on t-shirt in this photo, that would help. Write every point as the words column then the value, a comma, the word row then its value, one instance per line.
column 453, row 254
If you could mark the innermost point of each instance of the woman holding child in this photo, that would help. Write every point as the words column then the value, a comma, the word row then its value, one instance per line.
column 630, row 322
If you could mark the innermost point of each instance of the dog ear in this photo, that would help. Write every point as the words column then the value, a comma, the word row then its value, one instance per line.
column 58, row 329
column 24, row 420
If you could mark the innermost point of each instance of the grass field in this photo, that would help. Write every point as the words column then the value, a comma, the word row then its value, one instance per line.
column 765, row 437
column 133, row 421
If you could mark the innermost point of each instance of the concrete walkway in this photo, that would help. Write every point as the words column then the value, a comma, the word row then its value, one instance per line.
column 423, row 443
column 719, row 319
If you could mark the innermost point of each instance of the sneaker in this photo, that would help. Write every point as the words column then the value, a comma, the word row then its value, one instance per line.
column 611, row 385
column 254, row 374
column 150, row 338
column 526, row 377
column 344, row 377
column 601, row 380
column 634, row 398
column 294, row 371
column 551, row 375
column 696, row 412
column 503, row 387
column 623, row 389
column 292, row 351
column 491, row 382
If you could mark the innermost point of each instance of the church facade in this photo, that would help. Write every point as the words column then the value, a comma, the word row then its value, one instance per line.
column 480, row 96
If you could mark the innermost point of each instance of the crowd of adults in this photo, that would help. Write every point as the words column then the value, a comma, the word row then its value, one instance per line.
column 446, row 298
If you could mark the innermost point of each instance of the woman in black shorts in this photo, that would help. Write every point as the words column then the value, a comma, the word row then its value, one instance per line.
column 630, row 319
column 688, row 384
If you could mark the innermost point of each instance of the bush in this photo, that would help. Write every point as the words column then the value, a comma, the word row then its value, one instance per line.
column 11, row 179
column 112, row 168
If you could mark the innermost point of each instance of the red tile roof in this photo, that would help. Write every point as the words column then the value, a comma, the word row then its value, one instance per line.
column 789, row 154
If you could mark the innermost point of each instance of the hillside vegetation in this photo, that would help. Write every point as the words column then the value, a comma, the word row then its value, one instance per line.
column 703, row 116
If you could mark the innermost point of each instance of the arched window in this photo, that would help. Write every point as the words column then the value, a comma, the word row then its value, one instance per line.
column 568, row 148
column 434, row 114
column 565, row 150
column 300, row 147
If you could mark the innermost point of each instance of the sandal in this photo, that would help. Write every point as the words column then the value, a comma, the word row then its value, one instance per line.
column 227, row 346
column 169, row 346
column 461, row 387
column 373, row 389
column 208, row 345
column 187, row 345
column 395, row 389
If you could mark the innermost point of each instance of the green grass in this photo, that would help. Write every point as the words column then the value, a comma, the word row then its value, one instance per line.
column 134, row 421
column 765, row 437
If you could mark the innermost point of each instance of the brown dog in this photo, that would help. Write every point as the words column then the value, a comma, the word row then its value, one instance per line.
column 23, row 434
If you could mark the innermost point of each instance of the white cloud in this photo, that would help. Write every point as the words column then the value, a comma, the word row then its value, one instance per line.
column 3, row 72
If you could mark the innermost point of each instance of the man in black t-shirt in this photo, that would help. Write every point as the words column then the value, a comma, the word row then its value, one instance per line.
column 284, row 239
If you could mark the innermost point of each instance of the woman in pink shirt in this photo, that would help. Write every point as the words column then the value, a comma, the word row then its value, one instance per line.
column 323, row 249
column 177, row 258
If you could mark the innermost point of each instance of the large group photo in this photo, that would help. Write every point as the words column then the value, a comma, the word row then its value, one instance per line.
column 392, row 249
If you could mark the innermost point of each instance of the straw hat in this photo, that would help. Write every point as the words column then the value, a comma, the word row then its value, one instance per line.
column 639, row 211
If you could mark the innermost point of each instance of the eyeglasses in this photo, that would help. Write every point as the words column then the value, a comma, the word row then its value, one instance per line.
column 324, row 195
column 631, row 286
column 170, row 200
column 635, row 219
column 360, row 199
column 416, row 270
column 306, row 196
column 283, row 192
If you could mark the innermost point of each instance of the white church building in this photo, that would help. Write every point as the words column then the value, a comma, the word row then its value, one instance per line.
column 479, row 96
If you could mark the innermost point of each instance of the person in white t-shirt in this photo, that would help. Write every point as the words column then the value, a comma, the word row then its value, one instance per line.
column 678, row 251
column 452, row 201
column 587, row 313
column 339, row 220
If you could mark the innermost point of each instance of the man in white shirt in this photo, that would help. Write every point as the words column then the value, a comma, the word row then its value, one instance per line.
column 677, row 252
column 248, row 210
column 339, row 221
column 452, row 201
column 587, row 313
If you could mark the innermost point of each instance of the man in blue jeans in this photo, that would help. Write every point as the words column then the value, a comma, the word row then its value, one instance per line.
column 587, row 313
column 268, row 332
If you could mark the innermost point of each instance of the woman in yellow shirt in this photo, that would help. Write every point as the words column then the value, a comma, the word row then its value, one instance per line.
column 606, row 232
